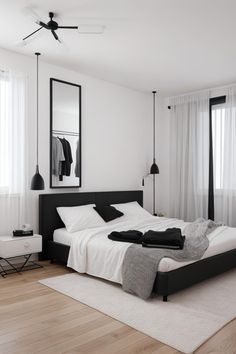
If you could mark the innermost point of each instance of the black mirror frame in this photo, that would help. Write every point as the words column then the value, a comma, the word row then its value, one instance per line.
column 51, row 128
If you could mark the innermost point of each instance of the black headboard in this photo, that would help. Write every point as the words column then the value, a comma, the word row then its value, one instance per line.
column 49, row 219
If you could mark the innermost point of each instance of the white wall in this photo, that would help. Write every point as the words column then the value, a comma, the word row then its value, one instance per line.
column 116, row 130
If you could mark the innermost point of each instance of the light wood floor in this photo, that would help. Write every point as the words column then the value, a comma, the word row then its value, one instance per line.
column 36, row 319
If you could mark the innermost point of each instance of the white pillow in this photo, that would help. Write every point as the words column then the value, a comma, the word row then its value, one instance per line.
column 132, row 210
column 80, row 217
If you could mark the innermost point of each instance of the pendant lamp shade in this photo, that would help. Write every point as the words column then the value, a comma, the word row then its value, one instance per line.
column 37, row 182
column 154, row 170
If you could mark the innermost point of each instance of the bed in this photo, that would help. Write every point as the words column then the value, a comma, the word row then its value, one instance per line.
column 172, row 276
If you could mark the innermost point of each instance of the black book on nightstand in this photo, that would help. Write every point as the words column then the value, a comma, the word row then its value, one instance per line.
column 22, row 233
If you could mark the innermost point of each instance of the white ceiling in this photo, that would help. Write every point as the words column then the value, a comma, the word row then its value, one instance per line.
column 174, row 46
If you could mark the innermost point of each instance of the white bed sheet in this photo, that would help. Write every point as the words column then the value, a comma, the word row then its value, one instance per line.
column 104, row 257
column 63, row 236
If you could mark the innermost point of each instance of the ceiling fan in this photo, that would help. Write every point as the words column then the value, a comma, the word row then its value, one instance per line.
column 53, row 26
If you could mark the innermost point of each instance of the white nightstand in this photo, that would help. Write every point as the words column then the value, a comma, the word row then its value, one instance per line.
column 12, row 247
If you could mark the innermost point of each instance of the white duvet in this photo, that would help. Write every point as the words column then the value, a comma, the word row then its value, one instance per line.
column 93, row 253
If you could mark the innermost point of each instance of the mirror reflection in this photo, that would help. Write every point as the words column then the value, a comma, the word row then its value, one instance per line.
column 65, row 134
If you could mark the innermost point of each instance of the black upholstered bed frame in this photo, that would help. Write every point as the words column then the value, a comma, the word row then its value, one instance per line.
column 166, row 283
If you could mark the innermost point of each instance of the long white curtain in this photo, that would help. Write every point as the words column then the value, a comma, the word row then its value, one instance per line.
column 13, row 151
column 189, row 156
column 224, row 135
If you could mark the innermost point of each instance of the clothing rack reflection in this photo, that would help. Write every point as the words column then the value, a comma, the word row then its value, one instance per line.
column 61, row 132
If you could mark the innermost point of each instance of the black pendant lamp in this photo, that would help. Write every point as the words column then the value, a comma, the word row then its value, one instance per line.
column 154, row 170
column 37, row 182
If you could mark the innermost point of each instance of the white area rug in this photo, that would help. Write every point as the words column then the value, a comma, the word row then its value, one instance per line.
column 186, row 321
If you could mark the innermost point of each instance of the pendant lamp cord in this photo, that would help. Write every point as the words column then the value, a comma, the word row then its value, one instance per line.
column 154, row 126
column 37, row 110
column 154, row 152
column 37, row 105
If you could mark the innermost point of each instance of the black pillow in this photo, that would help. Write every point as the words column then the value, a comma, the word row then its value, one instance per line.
column 108, row 212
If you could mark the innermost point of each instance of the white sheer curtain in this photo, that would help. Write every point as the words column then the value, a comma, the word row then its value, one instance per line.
column 189, row 156
column 224, row 138
column 13, row 151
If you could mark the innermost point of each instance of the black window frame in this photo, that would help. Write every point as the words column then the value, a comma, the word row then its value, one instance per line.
column 212, row 102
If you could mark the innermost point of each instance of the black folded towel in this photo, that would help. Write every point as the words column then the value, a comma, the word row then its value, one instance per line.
column 168, row 247
column 132, row 236
column 168, row 238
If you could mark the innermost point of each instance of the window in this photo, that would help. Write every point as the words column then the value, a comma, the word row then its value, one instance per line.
column 218, row 136
column 4, row 134
column 13, row 142
column 217, row 116
column 13, row 150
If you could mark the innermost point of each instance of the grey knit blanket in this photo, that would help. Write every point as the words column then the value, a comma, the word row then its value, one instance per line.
column 140, row 264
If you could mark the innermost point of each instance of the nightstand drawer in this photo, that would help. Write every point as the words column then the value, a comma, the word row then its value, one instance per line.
column 13, row 247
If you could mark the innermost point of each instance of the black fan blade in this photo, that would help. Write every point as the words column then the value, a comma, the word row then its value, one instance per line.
column 31, row 34
column 42, row 24
column 55, row 35
column 68, row 27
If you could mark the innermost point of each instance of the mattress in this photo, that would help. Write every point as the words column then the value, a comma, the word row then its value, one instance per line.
column 223, row 241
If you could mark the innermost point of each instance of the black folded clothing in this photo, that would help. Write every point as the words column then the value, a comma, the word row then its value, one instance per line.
column 168, row 247
column 132, row 236
column 170, row 237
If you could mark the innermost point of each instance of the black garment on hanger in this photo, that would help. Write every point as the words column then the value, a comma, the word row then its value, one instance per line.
column 66, row 165
column 77, row 163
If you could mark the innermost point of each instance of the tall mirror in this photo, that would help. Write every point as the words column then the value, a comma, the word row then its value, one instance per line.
column 65, row 134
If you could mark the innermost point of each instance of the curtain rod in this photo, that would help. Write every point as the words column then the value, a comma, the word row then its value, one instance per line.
column 218, row 99
column 202, row 91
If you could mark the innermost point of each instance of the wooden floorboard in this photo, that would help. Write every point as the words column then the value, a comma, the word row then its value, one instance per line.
column 35, row 319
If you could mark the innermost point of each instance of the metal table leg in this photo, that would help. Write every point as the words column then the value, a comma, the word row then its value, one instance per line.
column 26, row 265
